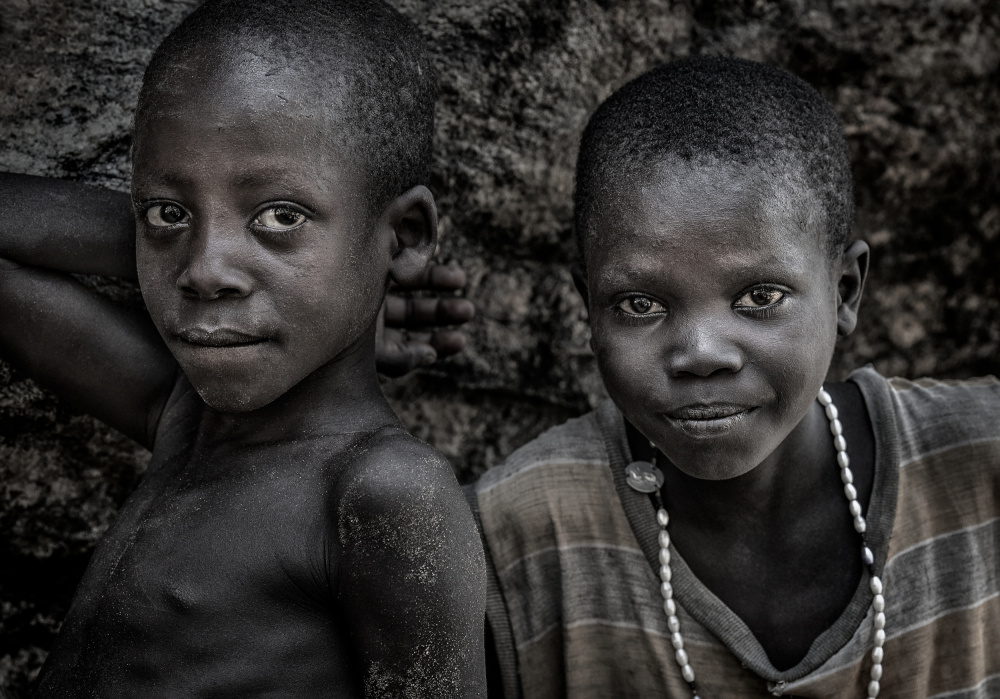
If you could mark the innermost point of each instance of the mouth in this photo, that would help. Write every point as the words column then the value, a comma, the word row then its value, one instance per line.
column 708, row 420
column 219, row 337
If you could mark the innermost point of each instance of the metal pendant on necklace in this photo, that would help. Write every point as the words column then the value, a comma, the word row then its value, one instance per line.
column 643, row 476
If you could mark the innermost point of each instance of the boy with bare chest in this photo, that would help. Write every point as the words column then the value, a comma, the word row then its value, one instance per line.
column 289, row 538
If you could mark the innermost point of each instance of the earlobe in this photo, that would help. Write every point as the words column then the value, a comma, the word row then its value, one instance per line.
column 853, row 272
column 412, row 216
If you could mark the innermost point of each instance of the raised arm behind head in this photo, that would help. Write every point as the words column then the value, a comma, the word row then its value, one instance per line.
column 50, row 228
column 66, row 227
column 103, row 358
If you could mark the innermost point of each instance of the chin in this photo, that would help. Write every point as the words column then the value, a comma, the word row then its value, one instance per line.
column 229, row 403
column 721, row 463
column 713, row 472
column 235, row 399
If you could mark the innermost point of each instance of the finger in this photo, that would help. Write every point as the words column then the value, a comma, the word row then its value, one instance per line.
column 397, row 356
column 444, row 342
column 415, row 313
column 449, row 277
column 448, row 342
column 446, row 277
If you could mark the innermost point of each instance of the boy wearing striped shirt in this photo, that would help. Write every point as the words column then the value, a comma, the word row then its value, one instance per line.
column 729, row 525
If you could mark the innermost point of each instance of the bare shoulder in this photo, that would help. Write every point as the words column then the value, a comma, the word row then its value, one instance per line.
column 398, row 486
column 391, row 469
column 413, row 581
column 393, row 453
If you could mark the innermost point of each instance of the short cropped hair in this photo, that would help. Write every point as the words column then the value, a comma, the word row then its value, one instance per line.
column 717, row 110
column 367, row 61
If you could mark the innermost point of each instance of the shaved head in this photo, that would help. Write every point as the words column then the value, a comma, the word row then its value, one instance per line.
column 362, row 63
column 715, row 111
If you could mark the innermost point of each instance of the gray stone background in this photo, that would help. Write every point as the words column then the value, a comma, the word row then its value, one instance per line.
column 916, row 84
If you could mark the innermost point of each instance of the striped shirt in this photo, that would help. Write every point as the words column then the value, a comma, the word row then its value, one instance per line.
column 576, row 609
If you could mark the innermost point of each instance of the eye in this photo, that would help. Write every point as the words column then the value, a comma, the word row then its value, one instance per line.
column 640, row 306
column 280, row 218
column 759, row 297
column 165, row 215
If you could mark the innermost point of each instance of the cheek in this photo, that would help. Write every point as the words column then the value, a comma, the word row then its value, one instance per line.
column 808, row 344
column 144, row 262
column 334, row 305
column 796, row 365
column 155, row 283
column 628, row 363
column 364, row 279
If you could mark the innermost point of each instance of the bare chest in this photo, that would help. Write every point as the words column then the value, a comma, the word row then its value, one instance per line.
column 212, row 573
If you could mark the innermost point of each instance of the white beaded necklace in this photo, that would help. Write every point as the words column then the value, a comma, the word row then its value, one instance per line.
column 646, row 478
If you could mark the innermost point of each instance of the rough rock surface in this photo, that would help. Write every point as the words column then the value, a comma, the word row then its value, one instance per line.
column 917, row 85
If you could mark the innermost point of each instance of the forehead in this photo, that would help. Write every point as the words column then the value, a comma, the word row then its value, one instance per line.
column 247, row 115
column 724, row 216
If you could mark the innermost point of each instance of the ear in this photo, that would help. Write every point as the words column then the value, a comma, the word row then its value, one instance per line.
column 580, row 281
column 412, row 216
column 853, row 272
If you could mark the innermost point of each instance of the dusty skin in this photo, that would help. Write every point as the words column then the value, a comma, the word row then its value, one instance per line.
column 289, row 538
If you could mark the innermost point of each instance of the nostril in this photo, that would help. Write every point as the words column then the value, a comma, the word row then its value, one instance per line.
column 701, row 373
column 707, row 367
column 228, row 293
column 704, row 353
column 209, row 293
column 202, row 280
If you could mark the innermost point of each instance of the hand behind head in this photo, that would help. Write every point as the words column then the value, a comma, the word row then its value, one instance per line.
column 417, row 331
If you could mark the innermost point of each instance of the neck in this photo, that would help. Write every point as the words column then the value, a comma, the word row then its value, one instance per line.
column 776, row 490
column 342, row 396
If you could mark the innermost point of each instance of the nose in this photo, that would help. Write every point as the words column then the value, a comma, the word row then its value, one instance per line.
column 216, row 266
column 703, row 347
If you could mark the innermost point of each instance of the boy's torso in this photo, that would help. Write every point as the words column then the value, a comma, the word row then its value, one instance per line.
column 809, row 543
column 219, row 576
column 575, row 555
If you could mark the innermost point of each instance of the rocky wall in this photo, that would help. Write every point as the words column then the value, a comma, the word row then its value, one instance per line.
column 917, row 85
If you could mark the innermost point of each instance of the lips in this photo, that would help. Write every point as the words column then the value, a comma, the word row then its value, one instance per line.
column 708, row 420
column 219, row 337
column 711, row 411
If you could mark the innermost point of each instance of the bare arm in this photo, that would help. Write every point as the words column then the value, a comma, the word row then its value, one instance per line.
column 66, row 227
column 413, row 579
column 101, row 357
column 109, row 361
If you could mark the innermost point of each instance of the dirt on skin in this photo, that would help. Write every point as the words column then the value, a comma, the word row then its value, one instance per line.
column 425, row 678
column 413, row 536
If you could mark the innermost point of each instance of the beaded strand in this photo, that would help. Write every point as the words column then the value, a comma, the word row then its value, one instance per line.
column 867, row 557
